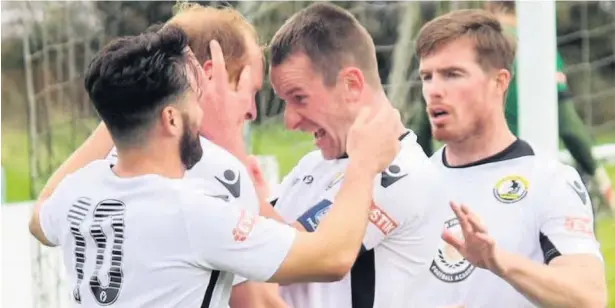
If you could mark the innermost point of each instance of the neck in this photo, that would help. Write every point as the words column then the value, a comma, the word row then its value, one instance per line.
column 493, row 139
column 144, row 160
column 381, row 98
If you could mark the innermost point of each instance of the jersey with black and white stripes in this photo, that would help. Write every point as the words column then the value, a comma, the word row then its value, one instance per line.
column 150, row 241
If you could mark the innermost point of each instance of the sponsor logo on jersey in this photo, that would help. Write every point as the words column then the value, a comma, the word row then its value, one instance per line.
column 224, row 198
column 231, row 181
column 511, row 189
column 244, row 226
column 308, row 179
column 580, row 225
column 391, row 175
column 449, row 265
column 381, row 219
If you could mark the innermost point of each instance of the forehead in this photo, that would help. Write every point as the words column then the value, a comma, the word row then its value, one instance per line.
column 296, row 71
column 459, row 52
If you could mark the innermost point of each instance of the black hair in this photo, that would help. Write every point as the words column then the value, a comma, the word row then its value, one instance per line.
column 132, row 78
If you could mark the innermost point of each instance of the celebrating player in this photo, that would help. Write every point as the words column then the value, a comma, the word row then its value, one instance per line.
column 323, row 64
column 139, row 234
column 572, row 131
column 523, row 234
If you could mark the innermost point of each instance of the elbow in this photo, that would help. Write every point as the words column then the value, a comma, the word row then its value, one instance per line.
column 340, row 266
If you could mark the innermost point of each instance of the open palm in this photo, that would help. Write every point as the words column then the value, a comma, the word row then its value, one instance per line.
column 477, row 246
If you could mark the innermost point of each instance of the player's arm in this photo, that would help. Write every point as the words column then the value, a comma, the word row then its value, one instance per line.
column 262, row 249
column 256, row 295
column 46, row 218
column 97, row 146
column 573, row 275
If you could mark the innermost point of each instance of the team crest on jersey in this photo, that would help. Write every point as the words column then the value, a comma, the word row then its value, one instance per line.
column 511, row 189
column 449, row 265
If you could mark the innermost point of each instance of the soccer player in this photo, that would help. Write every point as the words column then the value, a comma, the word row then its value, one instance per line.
column 323, row 64
column 522, row 235
column 139, row 234
column 572, row 131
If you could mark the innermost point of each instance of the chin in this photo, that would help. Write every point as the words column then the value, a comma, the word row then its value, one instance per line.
column 329, row 154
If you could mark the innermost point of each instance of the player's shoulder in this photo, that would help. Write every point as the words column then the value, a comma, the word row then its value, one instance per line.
column 310, row 160
column 217, row 162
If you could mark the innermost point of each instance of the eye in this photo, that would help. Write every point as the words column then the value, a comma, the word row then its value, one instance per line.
column 452, row 74
column 426, row 77
column 299, row 98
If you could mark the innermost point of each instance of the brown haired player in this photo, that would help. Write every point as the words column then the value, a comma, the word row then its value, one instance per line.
column 522, row 231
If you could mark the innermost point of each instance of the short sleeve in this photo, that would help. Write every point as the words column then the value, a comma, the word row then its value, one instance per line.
column 404, row 200
column 566, row 219
column 52, row 214
column 232, row 239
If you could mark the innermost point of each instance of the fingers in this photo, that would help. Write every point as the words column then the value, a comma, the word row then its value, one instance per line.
column 474, row 220
column 452, row 240
column 466, row 227
column 219, row 73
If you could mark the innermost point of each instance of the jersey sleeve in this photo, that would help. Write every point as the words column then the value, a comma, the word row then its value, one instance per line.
column 231, row 239
column 52, row 213
column 566, row 219
column 403, row 205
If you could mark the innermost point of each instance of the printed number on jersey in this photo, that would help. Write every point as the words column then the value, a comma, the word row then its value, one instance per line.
column 107, row 227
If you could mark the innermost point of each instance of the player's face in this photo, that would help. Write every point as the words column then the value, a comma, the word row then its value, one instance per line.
column 311, row 106
column 190, row 150
column 461, row 97
column 255, row 60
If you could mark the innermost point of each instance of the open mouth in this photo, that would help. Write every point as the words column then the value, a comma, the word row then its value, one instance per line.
column 436, row 113
column 319, row 134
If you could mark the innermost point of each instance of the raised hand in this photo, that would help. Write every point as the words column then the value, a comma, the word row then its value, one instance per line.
column 224, row 107
column 477, row 246
column 373, row 138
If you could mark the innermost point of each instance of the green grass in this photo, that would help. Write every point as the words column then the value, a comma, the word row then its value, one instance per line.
column 288, row 147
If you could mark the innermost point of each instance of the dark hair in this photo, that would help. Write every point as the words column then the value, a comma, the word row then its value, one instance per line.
column 493, row 49
column 132, row 78
column 331, row 38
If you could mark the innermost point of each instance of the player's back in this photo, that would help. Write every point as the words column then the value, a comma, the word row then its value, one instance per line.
column 126, row 242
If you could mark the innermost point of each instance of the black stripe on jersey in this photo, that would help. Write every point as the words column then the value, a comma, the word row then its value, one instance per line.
column 209, row 292
column 363, row 279
column 517, row 149
column 548, row 249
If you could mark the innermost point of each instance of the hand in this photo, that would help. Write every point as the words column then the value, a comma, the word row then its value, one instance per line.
column 224, row 108
column 256, row 172
column 476, row 246
column 373, row 138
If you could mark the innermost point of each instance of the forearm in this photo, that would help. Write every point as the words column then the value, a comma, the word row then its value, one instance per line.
column 350, row 209
column 551, row 286
column 97, row 146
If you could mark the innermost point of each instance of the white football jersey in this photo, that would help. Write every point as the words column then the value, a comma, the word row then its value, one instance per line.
column 150, row 241
column 224, row 173
column 531, row 204
column 405, row 224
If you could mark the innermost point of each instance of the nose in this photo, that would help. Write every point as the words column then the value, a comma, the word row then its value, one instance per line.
column 433, row 90
column 291, row 118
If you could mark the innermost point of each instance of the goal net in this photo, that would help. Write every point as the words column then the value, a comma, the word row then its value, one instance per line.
column 59, row 39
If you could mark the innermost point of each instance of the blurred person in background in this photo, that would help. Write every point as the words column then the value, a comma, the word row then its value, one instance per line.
column 174, row 244
column 521, row 234
column 573, row 133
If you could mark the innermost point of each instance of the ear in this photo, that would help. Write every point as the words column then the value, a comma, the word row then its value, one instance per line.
column 353, row 81
column 208, row 68
column 171, row 121
column 502, row 79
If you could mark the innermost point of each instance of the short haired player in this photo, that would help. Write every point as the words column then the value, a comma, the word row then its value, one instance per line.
column 139, row 234
column 323, row 64
column 521, row 234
